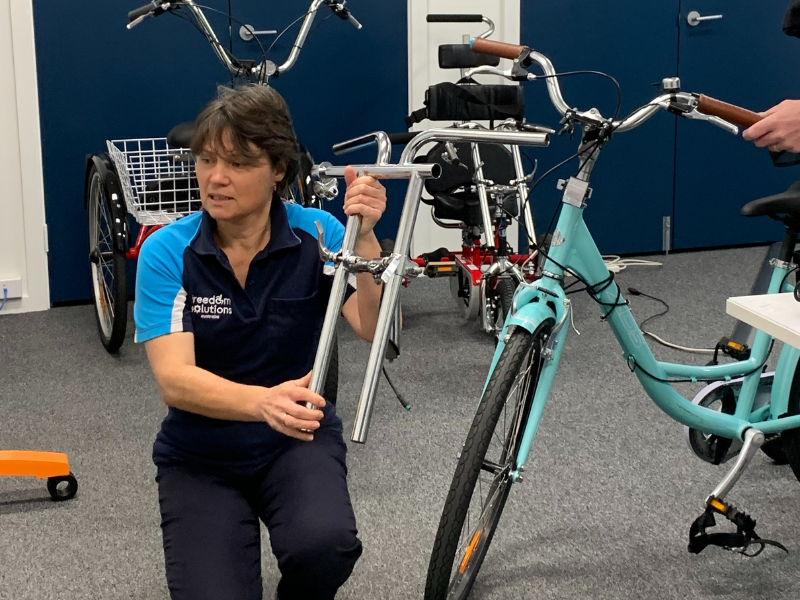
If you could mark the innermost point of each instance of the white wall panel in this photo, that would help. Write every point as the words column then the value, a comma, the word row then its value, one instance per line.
column 22, row 234
column 423, row 71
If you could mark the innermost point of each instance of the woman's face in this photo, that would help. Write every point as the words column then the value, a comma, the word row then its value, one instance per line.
column 233, row 187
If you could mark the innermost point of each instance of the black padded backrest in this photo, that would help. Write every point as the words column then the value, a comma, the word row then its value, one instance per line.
column 451, row 102
column 498, row 165
column 461, row 56
column 181, row 135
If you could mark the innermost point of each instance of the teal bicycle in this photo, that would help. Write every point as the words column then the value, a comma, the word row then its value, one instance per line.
column 753, row 410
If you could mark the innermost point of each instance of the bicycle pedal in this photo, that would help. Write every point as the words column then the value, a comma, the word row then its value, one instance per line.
column 739, row 542
column 730, row 348
column 440, row 269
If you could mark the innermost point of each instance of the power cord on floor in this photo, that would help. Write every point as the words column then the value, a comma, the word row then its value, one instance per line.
column 663, row 342
column 400, row 397
column 615, row 264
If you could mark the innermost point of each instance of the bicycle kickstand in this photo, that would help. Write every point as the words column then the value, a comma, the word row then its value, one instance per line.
column 745, row 535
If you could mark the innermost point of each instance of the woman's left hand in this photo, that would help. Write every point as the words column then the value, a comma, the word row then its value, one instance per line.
column 365, row 196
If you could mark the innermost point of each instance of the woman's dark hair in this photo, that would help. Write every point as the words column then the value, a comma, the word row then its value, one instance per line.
column 259, row 124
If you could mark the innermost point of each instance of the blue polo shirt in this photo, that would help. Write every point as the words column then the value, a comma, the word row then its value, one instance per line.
column 263, row 334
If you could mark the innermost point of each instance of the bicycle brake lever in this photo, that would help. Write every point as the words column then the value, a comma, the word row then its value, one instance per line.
column 722, row 123
column 343, row 13
column 159, row 10
column 325, row 254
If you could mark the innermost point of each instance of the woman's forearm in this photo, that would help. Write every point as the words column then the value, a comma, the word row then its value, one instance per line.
column 199, row 391
column 369, row 293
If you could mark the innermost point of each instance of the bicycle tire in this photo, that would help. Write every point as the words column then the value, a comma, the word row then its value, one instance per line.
column 505, row 293
column 500, row 295
column 107, row 261
column 790, row 440
column 774, row 449
column 523, row 348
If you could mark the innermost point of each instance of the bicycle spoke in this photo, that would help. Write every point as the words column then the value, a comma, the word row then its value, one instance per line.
column 497, row 466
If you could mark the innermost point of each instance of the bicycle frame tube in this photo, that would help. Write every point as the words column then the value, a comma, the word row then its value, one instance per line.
column 402, row 244
column 579, row 253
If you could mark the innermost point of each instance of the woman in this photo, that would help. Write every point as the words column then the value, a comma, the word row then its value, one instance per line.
column 229, row 304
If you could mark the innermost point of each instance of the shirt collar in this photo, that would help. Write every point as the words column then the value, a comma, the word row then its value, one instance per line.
column 281, row 235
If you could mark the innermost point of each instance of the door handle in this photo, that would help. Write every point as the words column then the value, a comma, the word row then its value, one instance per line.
column 694, row 19
column 248, row 32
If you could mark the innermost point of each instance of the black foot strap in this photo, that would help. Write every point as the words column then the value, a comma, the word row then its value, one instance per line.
column 745, row 541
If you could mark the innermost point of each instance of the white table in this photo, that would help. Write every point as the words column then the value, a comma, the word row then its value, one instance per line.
column 776, row 314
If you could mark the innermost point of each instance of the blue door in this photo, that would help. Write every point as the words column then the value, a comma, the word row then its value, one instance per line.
column 742, row 57
column 98, row 81
column 637, row 43
column 345, row 83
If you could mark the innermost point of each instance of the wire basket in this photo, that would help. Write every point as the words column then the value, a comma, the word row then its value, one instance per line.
column 158, row 180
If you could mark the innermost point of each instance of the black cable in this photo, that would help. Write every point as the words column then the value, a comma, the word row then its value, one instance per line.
column 402, row 400
column 287, row 28
column 635, row 292
column 531, row 162
column 584, row 72
column 225, row 51
column 633, row 365
column 313, row 29
column 189, row 20
column 785, row 277
column 533, row 187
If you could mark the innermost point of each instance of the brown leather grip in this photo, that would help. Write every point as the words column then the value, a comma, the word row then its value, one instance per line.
column 733, row 114
column 493, row 48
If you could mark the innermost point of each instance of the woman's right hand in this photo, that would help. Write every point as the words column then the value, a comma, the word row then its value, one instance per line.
column 283, row 408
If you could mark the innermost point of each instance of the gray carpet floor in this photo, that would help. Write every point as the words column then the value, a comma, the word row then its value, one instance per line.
column 604, row 512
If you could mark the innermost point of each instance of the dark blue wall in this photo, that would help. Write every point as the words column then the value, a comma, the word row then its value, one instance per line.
column 637, row 43
column 99, row 81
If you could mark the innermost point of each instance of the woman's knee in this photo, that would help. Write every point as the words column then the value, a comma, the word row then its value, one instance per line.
column 327, row 550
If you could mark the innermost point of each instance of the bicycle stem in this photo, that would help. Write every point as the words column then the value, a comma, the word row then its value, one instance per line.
column 237, row 70
column 322, row 359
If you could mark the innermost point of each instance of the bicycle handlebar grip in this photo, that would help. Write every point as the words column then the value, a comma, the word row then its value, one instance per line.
column 493, row 48
column 143, row 10
column 400, row 139
column 729, row 112
column 438, row 18
column 363, row 141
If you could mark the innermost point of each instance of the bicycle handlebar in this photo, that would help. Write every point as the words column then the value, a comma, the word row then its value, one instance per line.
column 729, row 112
column 439, row 18
column 395, row 139
column 688, row 105
column 150, row 7
column 265, row 68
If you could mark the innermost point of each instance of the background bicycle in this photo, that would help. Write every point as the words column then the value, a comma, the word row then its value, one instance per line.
column 150, row 182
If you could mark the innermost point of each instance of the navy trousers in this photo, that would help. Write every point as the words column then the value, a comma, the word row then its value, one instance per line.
column 210, row 524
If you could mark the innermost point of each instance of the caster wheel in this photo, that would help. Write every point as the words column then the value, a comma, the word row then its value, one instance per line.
column 63, row 487
column 466, row 295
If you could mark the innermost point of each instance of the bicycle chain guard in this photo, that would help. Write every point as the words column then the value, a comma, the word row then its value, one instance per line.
column 712, row 448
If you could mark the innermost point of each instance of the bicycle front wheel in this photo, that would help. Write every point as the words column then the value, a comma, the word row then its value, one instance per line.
column 109, row 280
column 483, row 476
